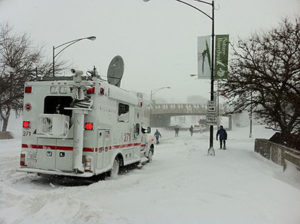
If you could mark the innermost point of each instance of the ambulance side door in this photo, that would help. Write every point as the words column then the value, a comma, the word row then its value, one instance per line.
column 137, row 132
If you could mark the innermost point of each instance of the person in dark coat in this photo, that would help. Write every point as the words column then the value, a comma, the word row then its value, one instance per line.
column 157, row 136
column 191, row 130
column 222, row 136
column 176, row 131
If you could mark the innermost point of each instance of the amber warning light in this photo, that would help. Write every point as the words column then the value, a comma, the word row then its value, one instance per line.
column 22, row 159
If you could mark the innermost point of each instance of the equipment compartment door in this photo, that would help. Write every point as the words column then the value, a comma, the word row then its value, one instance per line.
column 46, row 154
column 104, row 152
column 64, row 155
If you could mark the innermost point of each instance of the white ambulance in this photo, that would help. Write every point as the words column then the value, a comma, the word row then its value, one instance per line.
column 82, row 127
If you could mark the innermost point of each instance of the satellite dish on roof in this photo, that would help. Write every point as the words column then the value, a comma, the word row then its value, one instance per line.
column 115, row 71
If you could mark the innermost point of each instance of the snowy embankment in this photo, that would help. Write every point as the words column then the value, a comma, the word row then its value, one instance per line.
column 181, row 185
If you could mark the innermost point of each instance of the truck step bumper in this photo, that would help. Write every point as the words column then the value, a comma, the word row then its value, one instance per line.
column 55, row 172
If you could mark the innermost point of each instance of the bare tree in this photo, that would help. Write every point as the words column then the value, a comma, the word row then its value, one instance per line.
column 19, row 62
column 265, row 76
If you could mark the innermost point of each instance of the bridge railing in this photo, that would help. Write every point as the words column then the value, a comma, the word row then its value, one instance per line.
column 181, row 109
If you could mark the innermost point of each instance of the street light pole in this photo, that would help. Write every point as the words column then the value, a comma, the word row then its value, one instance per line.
column 211, row 150
column 251, row 109
column 152, row 93
column 66, row 44
column 53, row 61
column 156, row 90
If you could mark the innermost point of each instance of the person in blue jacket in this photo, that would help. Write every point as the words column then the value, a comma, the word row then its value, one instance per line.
column 157, row 136
column 222, row 136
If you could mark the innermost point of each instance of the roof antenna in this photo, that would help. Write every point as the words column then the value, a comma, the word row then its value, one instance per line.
column 94, row 73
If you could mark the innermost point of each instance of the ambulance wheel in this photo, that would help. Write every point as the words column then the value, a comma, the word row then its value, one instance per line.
column 115, row 169
column 150, row 155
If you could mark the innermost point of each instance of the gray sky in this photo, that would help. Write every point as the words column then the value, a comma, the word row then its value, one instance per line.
column 157, row 39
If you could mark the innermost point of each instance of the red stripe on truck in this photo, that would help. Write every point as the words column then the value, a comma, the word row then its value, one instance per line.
column 70, row 148
column 65, row 148
column 42, row 147
column 88, row 149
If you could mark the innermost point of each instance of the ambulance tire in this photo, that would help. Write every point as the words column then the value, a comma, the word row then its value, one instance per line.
column 150, row 155
column 115, row 169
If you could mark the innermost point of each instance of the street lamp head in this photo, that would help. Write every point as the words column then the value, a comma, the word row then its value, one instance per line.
column 146, row 0
column 66, row 45
column 91, row 38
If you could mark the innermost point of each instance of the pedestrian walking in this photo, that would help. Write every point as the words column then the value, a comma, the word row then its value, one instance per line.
column 191, row 130
column 222, row 134
column 176, row 131
column 157, row 136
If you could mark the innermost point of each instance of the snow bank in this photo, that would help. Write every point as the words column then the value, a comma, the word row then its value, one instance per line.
column 181, row 185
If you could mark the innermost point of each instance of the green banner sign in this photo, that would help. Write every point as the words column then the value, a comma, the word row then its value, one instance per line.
column 221, row 56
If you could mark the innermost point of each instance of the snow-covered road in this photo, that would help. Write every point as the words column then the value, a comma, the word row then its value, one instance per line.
column 181, row 185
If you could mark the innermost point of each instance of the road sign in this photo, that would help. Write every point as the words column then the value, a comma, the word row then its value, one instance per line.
column 211, row 107
column 211, row 119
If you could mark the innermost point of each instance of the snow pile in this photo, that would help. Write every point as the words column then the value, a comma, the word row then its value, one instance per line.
column 181, row 185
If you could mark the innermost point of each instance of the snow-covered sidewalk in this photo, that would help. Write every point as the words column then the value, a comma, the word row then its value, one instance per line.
column 181, row 185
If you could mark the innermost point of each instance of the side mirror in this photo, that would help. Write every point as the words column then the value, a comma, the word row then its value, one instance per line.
column 148, row 130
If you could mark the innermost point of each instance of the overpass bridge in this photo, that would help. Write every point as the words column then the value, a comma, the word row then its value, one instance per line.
column 160, row 114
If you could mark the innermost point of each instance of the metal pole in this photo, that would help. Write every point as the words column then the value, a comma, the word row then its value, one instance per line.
column 78, row 135
column 211, row 150
column 250, row 134
column 53, row 60
column 151, row 94
column 150, row 109
column 67, row 44
column 218, row 104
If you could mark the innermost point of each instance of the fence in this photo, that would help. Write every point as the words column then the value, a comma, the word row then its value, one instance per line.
column 276, row 152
